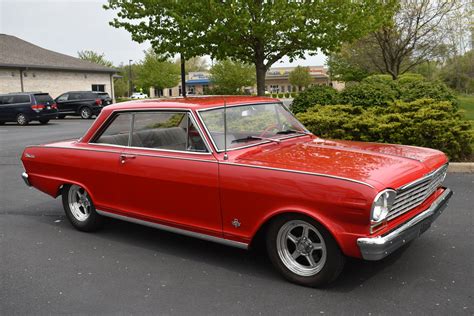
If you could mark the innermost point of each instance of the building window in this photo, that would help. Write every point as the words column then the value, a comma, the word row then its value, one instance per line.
column 98, row 87
column 191, row 89
column 170, row 92
column 158, row 92
column 289, row 89
column 283, row 89
column 274, row 88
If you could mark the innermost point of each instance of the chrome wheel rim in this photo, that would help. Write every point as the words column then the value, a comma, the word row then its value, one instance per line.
column 21, row 119
column 301, row 248
column 79, row 203
column 85, row 113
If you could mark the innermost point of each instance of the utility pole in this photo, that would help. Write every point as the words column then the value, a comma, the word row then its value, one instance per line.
column 183, row 75
column 130, row 87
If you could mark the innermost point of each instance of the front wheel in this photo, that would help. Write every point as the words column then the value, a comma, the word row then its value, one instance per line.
column 303, row 251
column 80, row 209
column 85, row 112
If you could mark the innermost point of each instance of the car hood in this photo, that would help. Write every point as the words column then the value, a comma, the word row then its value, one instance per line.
column 379, row 165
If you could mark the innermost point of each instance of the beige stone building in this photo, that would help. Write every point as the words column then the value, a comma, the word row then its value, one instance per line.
column 276, row 82
column 26, row 67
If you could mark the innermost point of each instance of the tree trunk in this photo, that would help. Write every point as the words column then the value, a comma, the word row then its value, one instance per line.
column 261, row 73
column 183, row 76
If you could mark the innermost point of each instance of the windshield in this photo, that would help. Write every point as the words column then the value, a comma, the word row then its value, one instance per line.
column 251, row 124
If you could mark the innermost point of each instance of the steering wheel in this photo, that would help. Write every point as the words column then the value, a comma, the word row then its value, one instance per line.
column 269, row 127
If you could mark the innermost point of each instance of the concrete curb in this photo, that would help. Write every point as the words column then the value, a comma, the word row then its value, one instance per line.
column 461, row 167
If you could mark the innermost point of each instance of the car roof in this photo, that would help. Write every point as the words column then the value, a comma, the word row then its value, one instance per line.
column 195, row 103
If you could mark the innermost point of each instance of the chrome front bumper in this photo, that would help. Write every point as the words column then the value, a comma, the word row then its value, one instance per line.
column 24, row 175
column 376, row 248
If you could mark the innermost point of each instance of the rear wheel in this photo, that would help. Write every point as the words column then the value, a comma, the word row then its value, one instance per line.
column 85, row 112
column 21, row 119
column 44, row 121
column 61, row 116
column 80, row 209
column 303, row 251
column 1, row 123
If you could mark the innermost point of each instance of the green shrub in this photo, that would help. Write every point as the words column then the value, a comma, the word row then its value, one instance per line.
column 412, row 88
column 322, row 95
column 287, row 95
column 372, row 93
column 425, row 122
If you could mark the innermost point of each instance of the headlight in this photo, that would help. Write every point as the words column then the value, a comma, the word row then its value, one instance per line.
column 382, row 205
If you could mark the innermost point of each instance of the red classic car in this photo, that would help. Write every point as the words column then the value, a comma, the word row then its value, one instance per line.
column 228, row 169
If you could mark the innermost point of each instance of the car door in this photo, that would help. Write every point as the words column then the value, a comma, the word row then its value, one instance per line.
column 168, row 173
column 63, row 104
column 102, row 161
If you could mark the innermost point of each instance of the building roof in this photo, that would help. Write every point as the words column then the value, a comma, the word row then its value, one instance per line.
column 196, row 103
column 17, row 53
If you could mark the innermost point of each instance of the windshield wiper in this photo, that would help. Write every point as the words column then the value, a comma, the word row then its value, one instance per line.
column 292, row 131
column 249, row 138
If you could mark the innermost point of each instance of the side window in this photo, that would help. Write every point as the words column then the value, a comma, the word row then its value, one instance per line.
column 118, row 131
column 7, row 99
column 63, row 97
column 74, row 96
column 21, row 98
column 166, row 130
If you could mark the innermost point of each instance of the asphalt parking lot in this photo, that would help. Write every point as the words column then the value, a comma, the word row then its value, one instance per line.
column 47, row 267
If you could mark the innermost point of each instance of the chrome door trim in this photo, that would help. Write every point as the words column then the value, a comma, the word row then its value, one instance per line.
column 180, row 231
column 299, row 172
column 118, row 152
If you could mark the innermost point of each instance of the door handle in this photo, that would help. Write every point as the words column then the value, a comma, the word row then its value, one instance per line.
column 124, row 157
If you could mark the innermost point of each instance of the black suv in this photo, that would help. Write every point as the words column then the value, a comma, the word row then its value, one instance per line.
column 104, row 96
column 24, row 107
column 82, row 103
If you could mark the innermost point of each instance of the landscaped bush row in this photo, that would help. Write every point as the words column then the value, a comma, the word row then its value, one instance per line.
column 424, row 122
column 378, row 90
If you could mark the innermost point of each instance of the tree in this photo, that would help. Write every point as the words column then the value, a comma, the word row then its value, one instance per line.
column 194, row 64
column 94, row 57
column 256, row 32
column 156, row 71
column 229, row 77
column 417, row 33
column 458, row 73
column 300, row 77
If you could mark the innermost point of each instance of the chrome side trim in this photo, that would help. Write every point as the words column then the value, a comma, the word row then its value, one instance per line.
column 376, row 248
column 180, row 231
column 300, row 172
column 138, row 154
column 24, row 176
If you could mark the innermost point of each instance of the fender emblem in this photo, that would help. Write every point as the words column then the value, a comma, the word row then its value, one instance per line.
column 236, row 223
column 27, row 155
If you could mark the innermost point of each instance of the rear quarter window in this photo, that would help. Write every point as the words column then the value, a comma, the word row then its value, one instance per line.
column 21, row 98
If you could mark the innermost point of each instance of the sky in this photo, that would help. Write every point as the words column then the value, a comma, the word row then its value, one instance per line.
column 69, row 26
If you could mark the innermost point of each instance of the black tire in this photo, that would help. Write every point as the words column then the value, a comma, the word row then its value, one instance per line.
column 22, row 120
column 85, row 112
column 92, row 222
column 62, row 116
column 1, row 123
column 44, row 121
column 329, row 268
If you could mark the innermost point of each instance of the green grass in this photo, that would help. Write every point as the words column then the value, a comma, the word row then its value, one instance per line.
column 466, row 103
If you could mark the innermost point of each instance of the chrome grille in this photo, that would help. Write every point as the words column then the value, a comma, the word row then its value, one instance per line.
column 415, row 193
